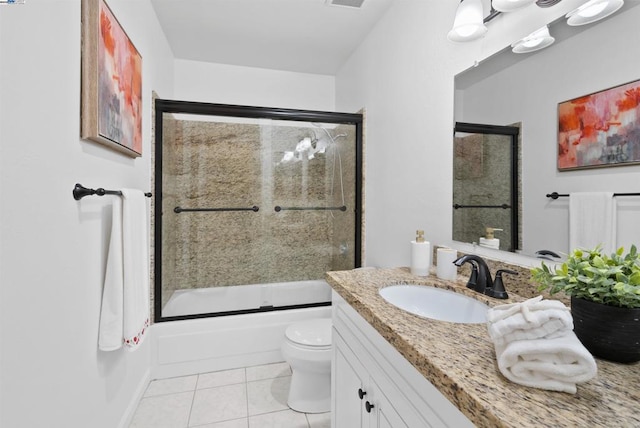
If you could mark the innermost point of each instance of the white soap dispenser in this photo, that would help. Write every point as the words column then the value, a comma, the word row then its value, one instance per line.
column 489, row 240
column 420, row 255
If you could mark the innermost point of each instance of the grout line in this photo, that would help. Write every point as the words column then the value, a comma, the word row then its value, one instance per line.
column 246, row 390
column 193, row 398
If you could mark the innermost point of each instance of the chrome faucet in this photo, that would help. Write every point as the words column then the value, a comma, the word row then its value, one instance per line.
column 480, row 279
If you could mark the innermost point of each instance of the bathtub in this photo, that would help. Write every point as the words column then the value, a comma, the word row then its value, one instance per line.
column 185, row 347
column 246, row 297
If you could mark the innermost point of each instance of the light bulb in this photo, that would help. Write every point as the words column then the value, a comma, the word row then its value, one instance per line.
column 592, row 10
column 468, row 24
column 537, row 40
column 531, row 43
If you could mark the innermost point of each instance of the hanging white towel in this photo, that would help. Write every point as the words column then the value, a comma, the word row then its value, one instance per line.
column 532, row 319
column 555, row 364
column 124, row 316
column 592, row 221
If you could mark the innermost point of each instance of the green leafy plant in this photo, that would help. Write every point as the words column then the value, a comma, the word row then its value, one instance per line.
column 588, row 274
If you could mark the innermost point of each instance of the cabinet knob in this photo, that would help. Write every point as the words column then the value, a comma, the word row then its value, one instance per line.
column 361, row 393
column 368, row 406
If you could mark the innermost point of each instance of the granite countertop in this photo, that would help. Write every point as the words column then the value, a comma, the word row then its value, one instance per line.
column 459, row 359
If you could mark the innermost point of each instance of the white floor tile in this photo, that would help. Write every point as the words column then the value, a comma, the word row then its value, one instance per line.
column 283, row 419
column 268, row 371
column 219, row 404
column 164, row 411
column 221, row 378
column 268, row 395
column 252, row 397
column 172, row 385
column 319, row 420
column 236, row 423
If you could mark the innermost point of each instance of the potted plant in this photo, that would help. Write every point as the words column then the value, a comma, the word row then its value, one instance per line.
column 605, row 299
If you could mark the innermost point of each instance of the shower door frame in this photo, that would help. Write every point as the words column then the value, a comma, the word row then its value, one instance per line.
column 229, row 110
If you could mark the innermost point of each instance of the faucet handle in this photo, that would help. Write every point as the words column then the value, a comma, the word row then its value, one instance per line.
column 473, row 278
column 498, row 290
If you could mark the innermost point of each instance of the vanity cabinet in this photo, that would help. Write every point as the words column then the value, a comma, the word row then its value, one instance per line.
column 359, row 401
column 374, row 386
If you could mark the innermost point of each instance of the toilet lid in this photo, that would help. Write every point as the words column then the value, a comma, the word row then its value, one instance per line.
column 315, row 332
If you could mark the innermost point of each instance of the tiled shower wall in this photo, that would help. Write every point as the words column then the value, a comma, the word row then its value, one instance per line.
column 215, row 165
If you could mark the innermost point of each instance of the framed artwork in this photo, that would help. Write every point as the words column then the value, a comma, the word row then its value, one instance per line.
column 600, row 129
column 111, row 81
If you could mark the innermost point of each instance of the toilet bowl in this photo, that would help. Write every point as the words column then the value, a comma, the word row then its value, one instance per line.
column 307, row 349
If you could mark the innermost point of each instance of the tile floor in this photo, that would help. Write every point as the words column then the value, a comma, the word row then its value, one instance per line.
column 251, row 397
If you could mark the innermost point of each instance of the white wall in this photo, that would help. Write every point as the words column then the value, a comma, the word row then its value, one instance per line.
column 403, row 75
column 52, row 248
column 229, row 84
column 588, row 62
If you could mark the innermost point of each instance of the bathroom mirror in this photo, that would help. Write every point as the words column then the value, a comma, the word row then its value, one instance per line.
column 510, row 88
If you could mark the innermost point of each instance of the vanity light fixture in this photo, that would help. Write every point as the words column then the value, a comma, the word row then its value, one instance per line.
column 535, row 41
column 468, row 24
column 593, row 11
column 510, row 5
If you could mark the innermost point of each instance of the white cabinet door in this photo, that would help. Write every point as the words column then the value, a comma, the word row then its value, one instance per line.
column 349, row 377
column 358, row 400
column 384, row 415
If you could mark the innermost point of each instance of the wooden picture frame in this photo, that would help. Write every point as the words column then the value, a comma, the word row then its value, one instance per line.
column 600, row 129
column 111, row 110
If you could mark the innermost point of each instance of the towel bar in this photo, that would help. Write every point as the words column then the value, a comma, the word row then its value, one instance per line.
column 556, row 195
column 79, row 192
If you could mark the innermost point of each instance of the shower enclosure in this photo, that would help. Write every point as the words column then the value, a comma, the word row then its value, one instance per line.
column 253, row 205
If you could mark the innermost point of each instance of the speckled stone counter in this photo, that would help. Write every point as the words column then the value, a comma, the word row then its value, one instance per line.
column 459, row 359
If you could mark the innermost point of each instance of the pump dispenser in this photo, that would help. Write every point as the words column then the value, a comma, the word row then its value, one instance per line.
column 489, row 240
column 420, row 255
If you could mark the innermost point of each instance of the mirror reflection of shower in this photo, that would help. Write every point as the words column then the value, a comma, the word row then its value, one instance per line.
column 254, row 210
column 486, row 186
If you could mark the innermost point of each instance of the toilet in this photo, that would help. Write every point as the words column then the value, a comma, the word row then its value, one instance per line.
column 307, row 349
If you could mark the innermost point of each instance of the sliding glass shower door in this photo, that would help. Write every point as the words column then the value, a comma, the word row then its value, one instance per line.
column 253, row 206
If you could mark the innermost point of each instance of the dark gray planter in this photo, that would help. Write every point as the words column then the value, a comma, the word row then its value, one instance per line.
column 608, row 332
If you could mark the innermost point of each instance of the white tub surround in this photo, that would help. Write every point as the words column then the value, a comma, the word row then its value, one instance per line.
column 209, row 344
column 246, row 297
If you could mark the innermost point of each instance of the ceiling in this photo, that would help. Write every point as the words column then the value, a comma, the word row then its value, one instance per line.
column 306, row 36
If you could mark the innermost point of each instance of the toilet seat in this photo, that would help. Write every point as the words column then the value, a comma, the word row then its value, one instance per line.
column 311, row 334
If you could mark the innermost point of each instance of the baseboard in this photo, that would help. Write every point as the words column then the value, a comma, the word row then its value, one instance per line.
column 125, row 421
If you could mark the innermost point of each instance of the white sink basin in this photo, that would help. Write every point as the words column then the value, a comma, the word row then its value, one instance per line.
column 436, row 303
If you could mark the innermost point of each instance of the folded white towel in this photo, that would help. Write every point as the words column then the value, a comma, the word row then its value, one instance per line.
column 592, row 221
column 532, row 319
column 555, row 364
column 124, row 317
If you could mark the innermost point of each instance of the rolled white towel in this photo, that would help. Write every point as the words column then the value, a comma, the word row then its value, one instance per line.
column 532, row 319
column 555, row 364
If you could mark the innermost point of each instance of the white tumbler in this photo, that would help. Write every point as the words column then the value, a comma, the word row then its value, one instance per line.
column 445, row 268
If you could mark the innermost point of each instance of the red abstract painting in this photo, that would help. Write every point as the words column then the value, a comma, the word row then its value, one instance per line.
column 112, row 81
column 600, row 129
